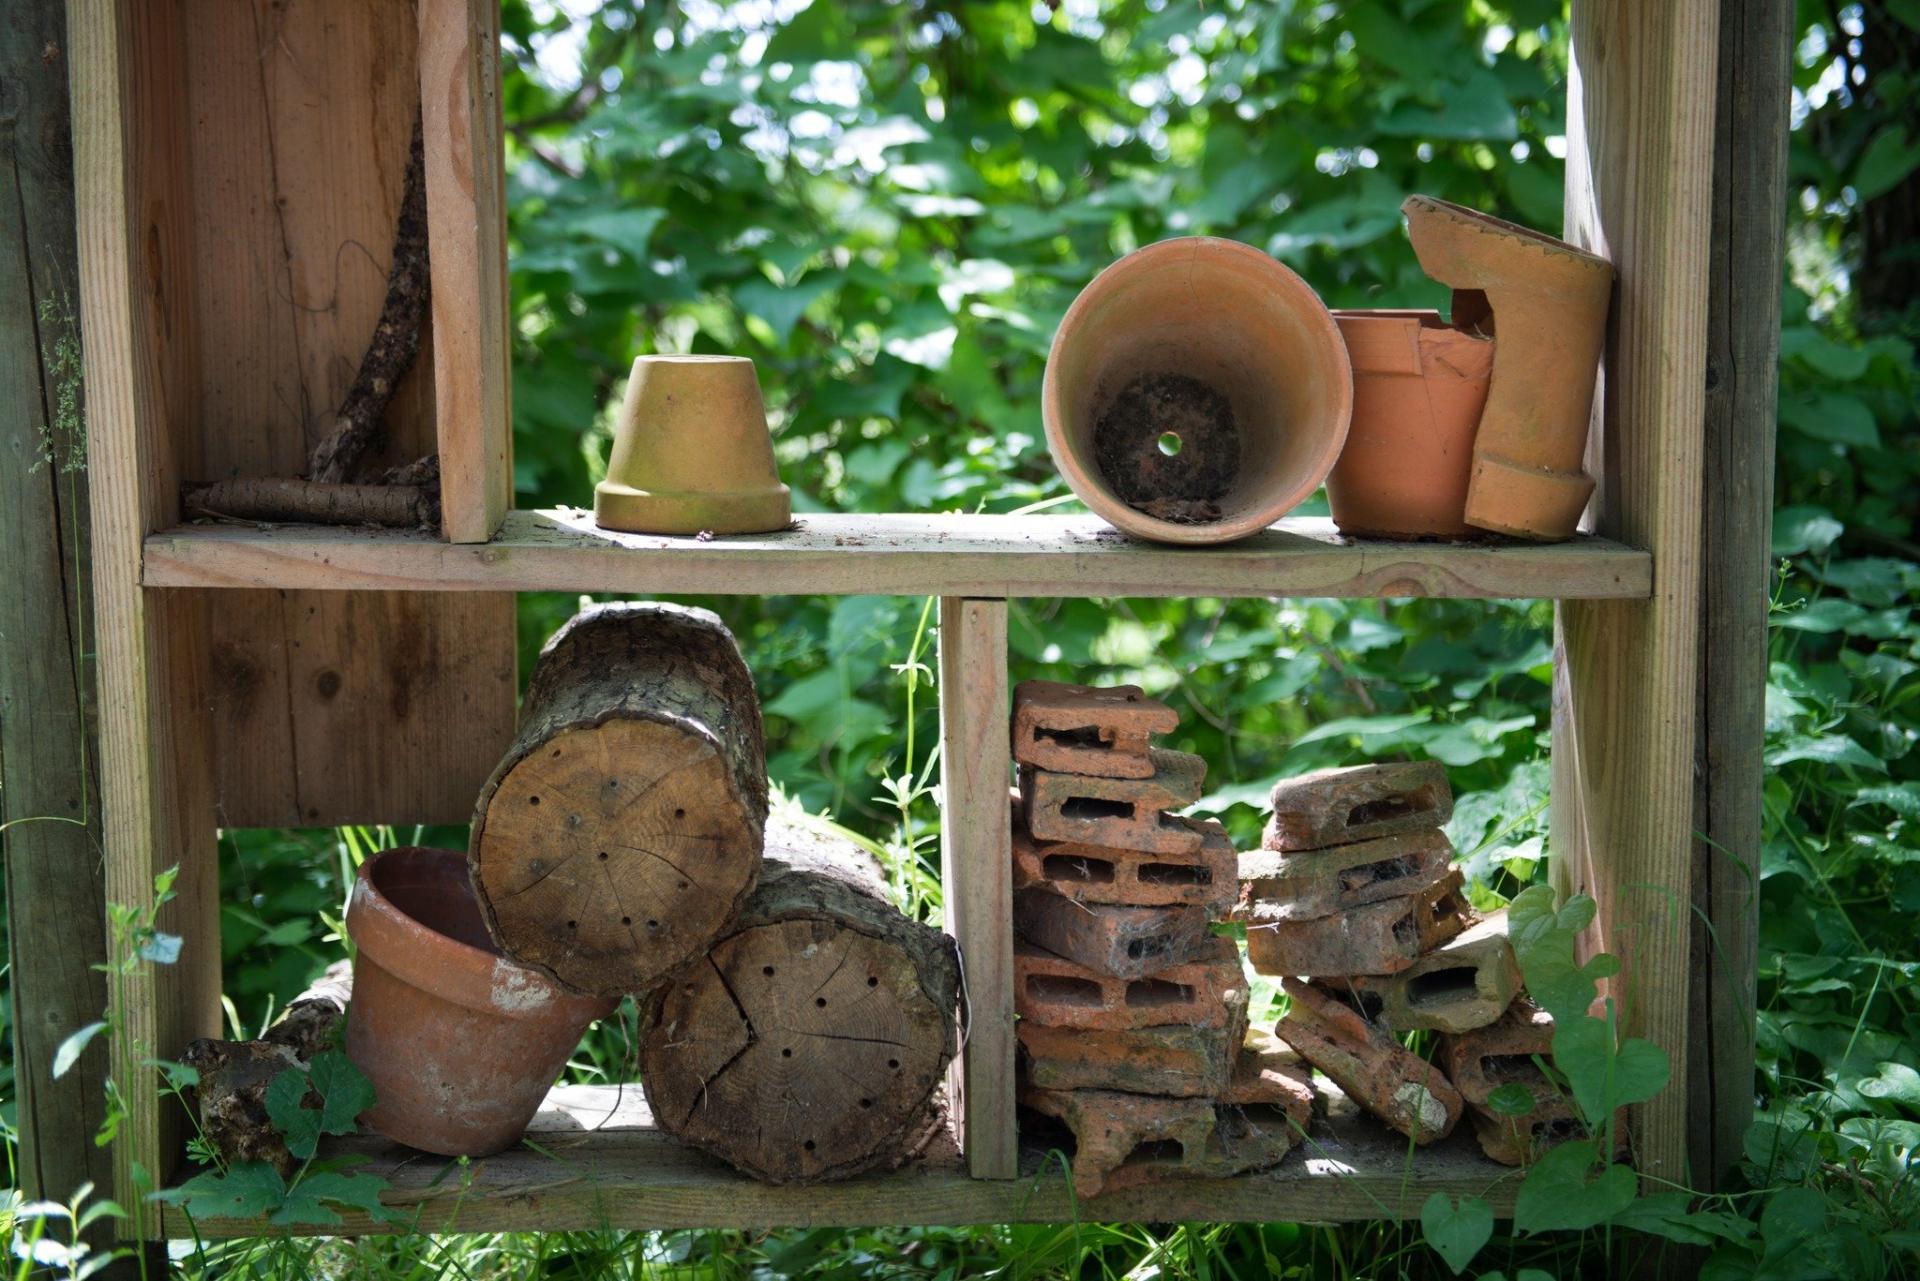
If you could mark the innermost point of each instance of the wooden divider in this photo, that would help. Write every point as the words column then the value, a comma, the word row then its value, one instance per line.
column 1639, row 132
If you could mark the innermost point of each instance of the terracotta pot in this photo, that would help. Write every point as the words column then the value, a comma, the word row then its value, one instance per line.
column 691, row 453
column 460, row 1043
column 1196, row 391
column 1418, row 385
column 1548, row 303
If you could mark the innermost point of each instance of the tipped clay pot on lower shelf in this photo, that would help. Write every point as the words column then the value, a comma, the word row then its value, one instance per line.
column 461, row 1044
column 1548, row 303
column 691, row 453
column 1418, row 387
column 1196, row 391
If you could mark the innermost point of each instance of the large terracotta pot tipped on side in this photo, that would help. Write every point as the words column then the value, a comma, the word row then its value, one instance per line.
column 1548, row 304
column 1418, row 386
column 691, row 453
column 460, row 1043
column 1197, row 390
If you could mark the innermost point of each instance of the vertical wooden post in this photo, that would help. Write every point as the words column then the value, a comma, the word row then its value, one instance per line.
column 467, row 236
column 156, row 783
column 1639, row 142
column 976, row 873
column 1743, row 348
column 49, row 781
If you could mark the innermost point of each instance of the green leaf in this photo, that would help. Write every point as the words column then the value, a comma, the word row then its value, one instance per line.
column 74, row 1046
column 1827, row 749
column 782, row 308
column 1895, row 1082
column 628, row 230
column 1885, row 162
column 1512, row 1099
column 306, row 1202
column 1456, row 1232
column 1782, row 1144
column 1665, row 1214
column 1797, row 530
column 1570, row 1189
column 343, row 1092
column 1825, row 415
column 244, row 1191
column 1473, row 109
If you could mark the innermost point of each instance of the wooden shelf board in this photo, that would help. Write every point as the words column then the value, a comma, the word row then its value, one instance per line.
column 593, row 1160
column 916, row 555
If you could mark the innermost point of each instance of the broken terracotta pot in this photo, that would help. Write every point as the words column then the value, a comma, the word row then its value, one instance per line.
column 1196, row 391
column 1545, row 304
column 1418, row 387
column 691, row 453
column 461, row 1044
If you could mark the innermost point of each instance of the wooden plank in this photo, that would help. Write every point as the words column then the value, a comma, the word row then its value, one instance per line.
column 937, row 554
column 1743, row 348
column 156, row 793
column 976, row 875
column 1639, row 137
column 301, row 119
column 602, row 1165
column 467, row 234
column 49, row 776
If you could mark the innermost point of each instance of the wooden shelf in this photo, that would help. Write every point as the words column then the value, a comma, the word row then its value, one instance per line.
column 918, row 555
column 594, row 1160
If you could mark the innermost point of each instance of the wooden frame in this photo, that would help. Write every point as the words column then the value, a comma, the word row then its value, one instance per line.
column 1641, row 107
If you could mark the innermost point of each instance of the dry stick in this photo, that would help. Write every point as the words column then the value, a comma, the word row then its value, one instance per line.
column 406, row 496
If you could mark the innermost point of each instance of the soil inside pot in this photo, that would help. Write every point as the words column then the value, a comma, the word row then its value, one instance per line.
column 1168, row 445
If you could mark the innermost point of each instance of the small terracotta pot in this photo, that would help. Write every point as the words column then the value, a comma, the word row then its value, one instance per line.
column 691, row 453
column 1548, row 303
column 460, row 1043
column 1196, row 391
column 1418, row 387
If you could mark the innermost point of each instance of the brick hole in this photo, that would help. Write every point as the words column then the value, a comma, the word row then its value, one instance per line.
column 1406, row 933
column 1267, row 1116
column 1077, row 736
column 1150, row 993
column 1140, row 949
column 1067, row 867
column 1175, row 874
column 1156, row 1152
column 1387, row 869
column 1064, row 989
column 1399, row 805
column 1442, row 985
column 1563, row 1127
column 1089, row 807
column 1509, row 1067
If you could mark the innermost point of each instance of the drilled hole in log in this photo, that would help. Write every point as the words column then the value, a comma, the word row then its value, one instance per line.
column 1068, row 867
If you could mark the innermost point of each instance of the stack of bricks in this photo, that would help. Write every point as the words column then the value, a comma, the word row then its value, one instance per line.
column 1133, row 1015
column 1354, row 900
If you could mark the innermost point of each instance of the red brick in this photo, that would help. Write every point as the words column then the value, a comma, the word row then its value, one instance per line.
column 1364, row 1060
column 1503, row 1052
column 1267, row 1074
column 1204, row 876
column 1083, row 729
column 1174, row 1060
column 1341, row 806
column 1125, row 942
column 1126, row 1140
column 1119, row 813
column 1053, row 990
column 1462, row 985
column 1376, row 938
column 1299, row 886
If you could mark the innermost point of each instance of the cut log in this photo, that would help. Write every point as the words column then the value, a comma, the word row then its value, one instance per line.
column 810, row 1042
column 231, row 1097
column 624, row 826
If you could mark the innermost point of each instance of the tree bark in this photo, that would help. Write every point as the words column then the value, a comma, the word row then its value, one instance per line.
column 625, row 824
column 809, row 1043
column 265, row 498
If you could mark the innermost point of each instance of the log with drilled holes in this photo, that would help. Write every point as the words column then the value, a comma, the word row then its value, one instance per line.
column 624, row 826
column 810, row 1042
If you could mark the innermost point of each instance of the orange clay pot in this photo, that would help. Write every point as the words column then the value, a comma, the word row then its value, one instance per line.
column 1418, row 385
column 1548, row 304
column 691, row 453
column 1196, row 391
column 460, row 1043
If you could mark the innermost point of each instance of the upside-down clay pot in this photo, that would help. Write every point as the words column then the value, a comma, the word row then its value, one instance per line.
column 1418, row 388
column 461, row 1044
column 691, row 453
column 1548, row 303
column 1196, row 391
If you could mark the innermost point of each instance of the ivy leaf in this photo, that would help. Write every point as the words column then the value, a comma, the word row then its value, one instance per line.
column 1511, row 1099
column 1665, row 1214
column 1896, row 1082
column 306, row 1202
column 244, row 1191
column 1456, row 1232
column 1570, row 1189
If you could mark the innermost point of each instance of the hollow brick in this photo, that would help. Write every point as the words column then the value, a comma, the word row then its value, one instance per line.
column 1083, row 729
column 1299, row 886
column 1203, row 876
column 1464, row 984
column 1053, row 990
column 1504, row 1052
column 1126, row 1140
column 1119, row 813
column 1376, row 938
column 1364, row 1060
column 1361, row 803
column 1176, row 1059
column 1125, row 942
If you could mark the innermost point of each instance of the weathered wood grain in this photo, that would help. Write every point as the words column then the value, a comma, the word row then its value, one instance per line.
column 1639, row 132
column 943, row 554
column 467, row 231
column 1743, row 347
column 976, row 872
column 601, row 1164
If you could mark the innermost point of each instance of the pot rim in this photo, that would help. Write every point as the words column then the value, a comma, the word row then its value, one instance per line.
column 1282, row 280
column 444, row 967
